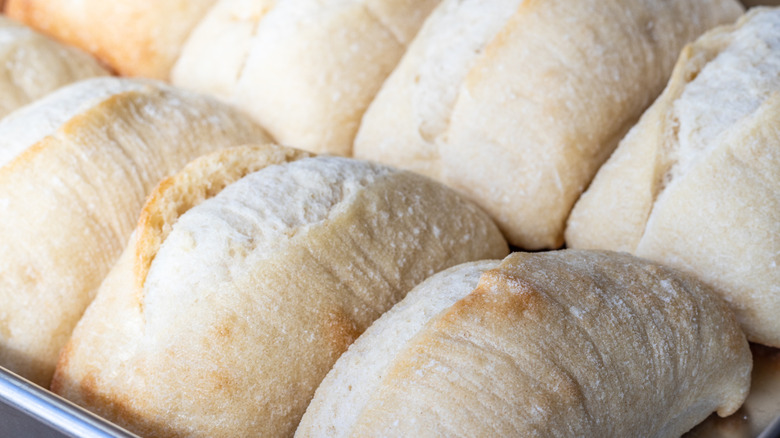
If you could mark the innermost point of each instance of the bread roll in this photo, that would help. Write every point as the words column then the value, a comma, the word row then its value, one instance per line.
column 34, row 65
column 221, row 318
column 568, row 343
column 305, row 69
column 696, row 184
column 75, row 168
column 137, row 38
column 517, row 104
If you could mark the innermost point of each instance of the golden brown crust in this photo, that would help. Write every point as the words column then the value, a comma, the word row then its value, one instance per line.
column 566, row 343
column 151, row 36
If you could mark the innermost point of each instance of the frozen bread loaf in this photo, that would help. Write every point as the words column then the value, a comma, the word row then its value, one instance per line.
column 75, row 169
column 229, row 306
column 517, row 103
column 696, row 184
column 566, row 343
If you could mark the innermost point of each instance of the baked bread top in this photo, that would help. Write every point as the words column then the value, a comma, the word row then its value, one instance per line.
column 535, row 96
column 254, row 292
column 34, row 65
column 696, row 183
column 76, row 167
column 566, row 343
column 305, row 69
column 136, row 38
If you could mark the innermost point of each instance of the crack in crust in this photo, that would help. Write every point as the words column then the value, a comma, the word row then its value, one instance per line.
column 200, row 180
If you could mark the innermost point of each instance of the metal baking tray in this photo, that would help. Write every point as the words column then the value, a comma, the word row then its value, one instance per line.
column 27, row 410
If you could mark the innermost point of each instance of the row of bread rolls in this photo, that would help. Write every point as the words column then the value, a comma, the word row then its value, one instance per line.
column 533, row 103
column 565, row 343
column 87, row 372
column 305, row 69
column 462, row 107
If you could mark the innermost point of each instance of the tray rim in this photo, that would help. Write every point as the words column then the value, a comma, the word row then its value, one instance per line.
column 39, row 405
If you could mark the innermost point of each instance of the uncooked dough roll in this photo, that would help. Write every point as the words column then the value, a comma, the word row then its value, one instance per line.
column 517, row 103
column 221, row 318
column 75, row 168
column 696, row 184
column 32, row 65
column 567, row 343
